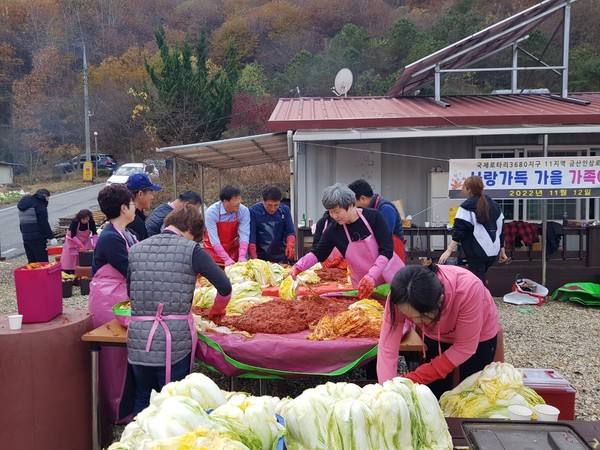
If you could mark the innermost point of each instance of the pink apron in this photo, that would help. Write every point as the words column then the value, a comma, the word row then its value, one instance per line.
column 361, row 256
column 159, row 319
column 107, row 288
column 70, row 252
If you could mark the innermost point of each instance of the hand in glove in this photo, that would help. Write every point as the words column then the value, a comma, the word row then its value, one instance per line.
column 252, row 251
column 228, row 261
column 243, row 252
column 221, row 253
column 306, row 262
column 332, row 262
column 366, row 286
column 437, row 369
column 290, row 252
column 53, row 242
column 295, row 271
column 217, row 312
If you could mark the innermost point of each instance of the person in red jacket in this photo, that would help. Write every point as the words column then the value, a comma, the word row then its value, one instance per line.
column 458, row 319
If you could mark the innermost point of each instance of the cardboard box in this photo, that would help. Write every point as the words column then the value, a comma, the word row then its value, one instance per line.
column 553, row 388
column 39, row 292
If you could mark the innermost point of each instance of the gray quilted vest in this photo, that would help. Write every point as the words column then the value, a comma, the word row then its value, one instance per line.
column 160, row 272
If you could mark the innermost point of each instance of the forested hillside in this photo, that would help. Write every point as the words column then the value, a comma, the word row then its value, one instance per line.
column 167, row 72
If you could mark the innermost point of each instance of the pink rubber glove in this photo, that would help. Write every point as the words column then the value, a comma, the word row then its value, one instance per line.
column 252, row 251
column 366, row 286
column 217, row 312
column 290, row 251
column 437, row 369
column 221, row 253
column 243, row 252
column 377, row 269
column 306, row 262
column 80, row 245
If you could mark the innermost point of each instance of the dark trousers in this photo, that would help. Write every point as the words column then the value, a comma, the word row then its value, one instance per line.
column 36, row 250
column 482, row 357
column 153, row 377
column 480, row 268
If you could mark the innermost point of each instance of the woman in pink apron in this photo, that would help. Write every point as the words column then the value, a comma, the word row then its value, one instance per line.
column 161, row 340
column 228, row 228
column 81, row 236
column 109, row 287
column 362, row 237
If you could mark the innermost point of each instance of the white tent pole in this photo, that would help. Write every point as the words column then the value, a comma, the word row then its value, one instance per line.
column 544, row 221
column 175, row 176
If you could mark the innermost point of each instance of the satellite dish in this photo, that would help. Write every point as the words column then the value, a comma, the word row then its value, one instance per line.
column 343, row 82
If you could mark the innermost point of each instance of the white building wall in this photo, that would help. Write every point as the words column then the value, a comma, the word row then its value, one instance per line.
column 6, row 174
column 405, row 164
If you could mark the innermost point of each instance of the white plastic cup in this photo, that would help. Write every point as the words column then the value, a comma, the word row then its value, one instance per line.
column 546, row 413
column 427, row 224
column 15, row 321
column 518, row 412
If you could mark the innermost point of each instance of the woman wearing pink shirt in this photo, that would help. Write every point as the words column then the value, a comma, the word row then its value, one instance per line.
column 458, row 319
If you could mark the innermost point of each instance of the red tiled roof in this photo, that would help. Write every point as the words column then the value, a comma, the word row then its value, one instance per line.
column 385, row 112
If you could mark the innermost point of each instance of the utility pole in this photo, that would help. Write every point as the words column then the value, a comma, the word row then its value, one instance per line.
column 86, row 107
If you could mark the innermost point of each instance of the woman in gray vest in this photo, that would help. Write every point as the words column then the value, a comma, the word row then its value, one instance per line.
column 162, row 275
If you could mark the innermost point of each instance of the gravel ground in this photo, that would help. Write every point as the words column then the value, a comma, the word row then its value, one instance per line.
column 560, row 336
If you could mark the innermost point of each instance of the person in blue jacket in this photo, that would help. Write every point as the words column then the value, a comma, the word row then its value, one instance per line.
column 33, row 222
column 365, row 198
column 272, row 235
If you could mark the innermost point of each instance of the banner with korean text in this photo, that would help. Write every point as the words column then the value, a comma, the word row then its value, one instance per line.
column 510, row 178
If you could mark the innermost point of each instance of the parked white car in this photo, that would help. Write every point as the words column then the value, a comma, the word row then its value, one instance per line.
column 122, row 173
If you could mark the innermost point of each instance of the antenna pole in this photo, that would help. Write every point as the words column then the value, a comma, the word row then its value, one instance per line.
column 86, row 108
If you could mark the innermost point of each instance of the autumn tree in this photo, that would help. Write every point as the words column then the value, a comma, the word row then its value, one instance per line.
column 186, row 103
column 47, row 114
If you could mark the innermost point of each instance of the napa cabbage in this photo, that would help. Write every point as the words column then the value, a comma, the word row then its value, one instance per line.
column 489, row 392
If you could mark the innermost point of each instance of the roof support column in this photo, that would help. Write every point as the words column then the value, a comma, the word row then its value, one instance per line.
column 438, row 84
column 292, row 150
column 202, row 184
column 175, row 175
column 514, row 85
column 566, row 33
column 544, row 220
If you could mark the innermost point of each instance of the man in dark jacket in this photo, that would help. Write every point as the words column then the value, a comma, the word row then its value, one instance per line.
column 33, row 221
column 154, row 222
column 143, row 193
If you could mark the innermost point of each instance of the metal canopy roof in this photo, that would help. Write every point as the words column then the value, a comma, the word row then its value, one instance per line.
column 382, row 112
column 233, row 153
column 475, row 47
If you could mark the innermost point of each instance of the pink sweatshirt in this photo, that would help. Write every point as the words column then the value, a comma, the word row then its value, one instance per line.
column 469, row 316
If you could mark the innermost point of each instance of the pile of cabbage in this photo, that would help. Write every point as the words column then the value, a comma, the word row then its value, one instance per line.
column 489, row 393
column 177, row 419
column 244, row 295
column 396, row 415
column 263, row 272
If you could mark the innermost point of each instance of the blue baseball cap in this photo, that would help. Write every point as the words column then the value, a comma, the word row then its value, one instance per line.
column 140, row 181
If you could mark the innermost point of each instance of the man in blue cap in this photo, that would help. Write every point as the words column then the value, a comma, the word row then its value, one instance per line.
column 143, row 193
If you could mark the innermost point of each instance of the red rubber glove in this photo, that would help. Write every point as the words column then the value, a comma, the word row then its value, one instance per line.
column 437, row 369
column 217, row 312
column 290, row 251
column 332, row 262
column 366, row 286
column 252, row 251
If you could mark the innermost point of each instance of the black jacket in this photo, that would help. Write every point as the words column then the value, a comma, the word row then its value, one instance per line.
column 155, row 221
column 33, row 218
column 466, row 230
